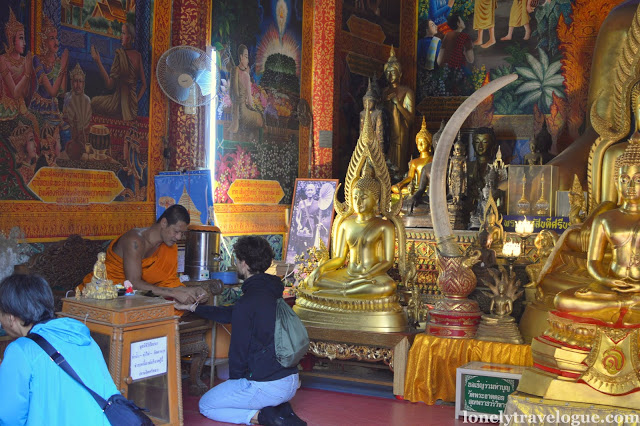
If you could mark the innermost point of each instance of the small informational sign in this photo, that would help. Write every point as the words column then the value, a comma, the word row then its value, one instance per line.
column 483, row 388
column 148, row 358
column 75, row 186
column 487, row 394
column 254, row 191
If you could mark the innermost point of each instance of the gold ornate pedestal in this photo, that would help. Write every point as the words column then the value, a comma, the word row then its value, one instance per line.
column 499, row 329
column 580, row 360
column 377, row 315
column 524, row 407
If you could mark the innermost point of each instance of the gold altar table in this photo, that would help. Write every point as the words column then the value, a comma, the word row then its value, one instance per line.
column 390, row 348
column 139, row 339
column 432, row 363
column 523, row 408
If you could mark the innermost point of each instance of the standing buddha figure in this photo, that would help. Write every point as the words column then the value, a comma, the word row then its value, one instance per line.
column 409, row 185
column 457, row 175
column 399, row 102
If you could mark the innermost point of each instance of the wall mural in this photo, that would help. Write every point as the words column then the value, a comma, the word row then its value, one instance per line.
column 462, row 44
column 259, row 47
column 74, row 107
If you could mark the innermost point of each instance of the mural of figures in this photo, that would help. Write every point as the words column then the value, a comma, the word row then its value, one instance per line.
column 259, row 59
column 71, row 93
column 549, row 44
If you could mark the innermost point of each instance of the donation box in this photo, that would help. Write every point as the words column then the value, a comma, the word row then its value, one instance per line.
column 139, row 341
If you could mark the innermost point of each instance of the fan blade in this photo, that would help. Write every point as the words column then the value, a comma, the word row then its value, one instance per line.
column 173, row 87
column 206, row 82
column 182, row 58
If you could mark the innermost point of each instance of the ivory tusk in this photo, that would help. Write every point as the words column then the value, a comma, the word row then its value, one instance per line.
column 437, row 188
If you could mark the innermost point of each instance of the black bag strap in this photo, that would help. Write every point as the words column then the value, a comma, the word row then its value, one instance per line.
column 62, row 363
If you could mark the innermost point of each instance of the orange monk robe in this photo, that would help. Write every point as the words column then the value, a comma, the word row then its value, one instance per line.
column 159, row 269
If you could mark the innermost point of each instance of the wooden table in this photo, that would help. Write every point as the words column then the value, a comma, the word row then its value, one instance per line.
column 139, row 339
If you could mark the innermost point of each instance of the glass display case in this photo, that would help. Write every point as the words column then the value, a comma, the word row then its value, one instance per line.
column 532, row 190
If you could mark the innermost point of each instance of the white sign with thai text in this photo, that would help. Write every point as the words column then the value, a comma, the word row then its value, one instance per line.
column 148, row 358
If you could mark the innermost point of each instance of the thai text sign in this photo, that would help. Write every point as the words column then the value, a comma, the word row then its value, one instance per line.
column 254, row 191
column 149, row 358
column 553, row 223
column 75, row 186
column 484, row 394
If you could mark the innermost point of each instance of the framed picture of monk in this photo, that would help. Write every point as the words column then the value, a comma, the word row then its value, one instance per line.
column 311, row 216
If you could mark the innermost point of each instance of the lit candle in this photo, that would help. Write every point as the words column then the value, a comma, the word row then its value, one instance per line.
column 524, row 227
column 511, row 249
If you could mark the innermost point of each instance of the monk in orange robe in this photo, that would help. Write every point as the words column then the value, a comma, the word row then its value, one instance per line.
column 148, row 258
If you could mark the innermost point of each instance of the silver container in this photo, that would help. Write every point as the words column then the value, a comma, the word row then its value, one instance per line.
column 202, row 252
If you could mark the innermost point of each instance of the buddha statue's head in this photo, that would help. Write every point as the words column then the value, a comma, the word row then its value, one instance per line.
column 423, row 138
column 459, row 148
column 543, row 139
column 370, row 98
column 627, row 171
column 366, row 192
column 484, row 142
column 392, row 69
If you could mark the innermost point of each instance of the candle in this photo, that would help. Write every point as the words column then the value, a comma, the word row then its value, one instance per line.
column 511, row 249
column 524, row 227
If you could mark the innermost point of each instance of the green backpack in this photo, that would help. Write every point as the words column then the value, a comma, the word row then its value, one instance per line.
column 291, row 338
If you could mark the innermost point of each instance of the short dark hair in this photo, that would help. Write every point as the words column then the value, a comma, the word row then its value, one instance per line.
column 256, row 252
column 452, row 21
column 174, row 214
column 27, row 297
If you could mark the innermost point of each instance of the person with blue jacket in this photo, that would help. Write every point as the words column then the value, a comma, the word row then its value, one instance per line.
column 41, row 393
column 259, row 388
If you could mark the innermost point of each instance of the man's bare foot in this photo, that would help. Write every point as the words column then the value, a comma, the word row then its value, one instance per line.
column 507, row 37
column 488, row 44
column 478, row 42
column 527, row 36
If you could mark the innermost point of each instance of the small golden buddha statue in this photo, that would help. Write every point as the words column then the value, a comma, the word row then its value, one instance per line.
column 492, row 223
column 614, row 295
column 351, row 290
column 409, row 185
column 577, row 205
column 544, row 243
column 100, row 287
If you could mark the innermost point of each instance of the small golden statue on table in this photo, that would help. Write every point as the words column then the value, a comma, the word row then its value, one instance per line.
column 499, row 325
column 100, row 287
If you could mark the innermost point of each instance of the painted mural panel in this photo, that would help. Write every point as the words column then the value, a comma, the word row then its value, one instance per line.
column 74, row 100
column 259, row 47
column 384, row 14
column 548, row 43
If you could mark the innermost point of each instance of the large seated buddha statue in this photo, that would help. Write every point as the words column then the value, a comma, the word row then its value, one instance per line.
column 615, row 84
column 351, row 290
column 589, row 353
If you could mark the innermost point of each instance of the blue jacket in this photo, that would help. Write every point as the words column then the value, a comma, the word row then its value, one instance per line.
column 38, row 392
column 252, row 353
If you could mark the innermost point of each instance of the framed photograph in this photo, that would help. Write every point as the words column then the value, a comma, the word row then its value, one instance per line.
column 311, row 215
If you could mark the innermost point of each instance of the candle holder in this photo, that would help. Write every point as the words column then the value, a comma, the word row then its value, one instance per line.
column 511, row 252
column 524, row 229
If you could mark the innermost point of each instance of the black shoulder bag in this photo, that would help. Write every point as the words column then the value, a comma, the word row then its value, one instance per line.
column 118, row 409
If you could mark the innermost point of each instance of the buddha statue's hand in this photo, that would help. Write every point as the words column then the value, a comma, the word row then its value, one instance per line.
column 312, row 278
column 395, row 189
column 625, row 286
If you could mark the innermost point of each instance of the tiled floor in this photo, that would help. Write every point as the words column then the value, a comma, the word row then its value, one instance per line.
column 328, row 408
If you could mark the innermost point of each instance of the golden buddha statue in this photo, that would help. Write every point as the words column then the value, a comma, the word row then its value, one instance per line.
column 409, row 185
column 399, row 101
column 100, row 286
column 617, row 85
column 589, row 353
column 577, row 205
column 492, row 223
column 614, row 294
column 352, row 290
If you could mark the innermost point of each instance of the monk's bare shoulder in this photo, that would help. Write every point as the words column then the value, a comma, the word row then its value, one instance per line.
column 131, row 241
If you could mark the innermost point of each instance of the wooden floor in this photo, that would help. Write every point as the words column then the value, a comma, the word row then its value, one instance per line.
column 327, row 408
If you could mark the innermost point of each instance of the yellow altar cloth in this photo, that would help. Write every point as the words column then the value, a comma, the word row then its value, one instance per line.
column 431, row 368
column 523, row 408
